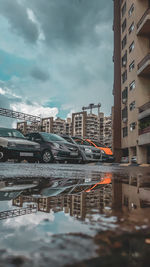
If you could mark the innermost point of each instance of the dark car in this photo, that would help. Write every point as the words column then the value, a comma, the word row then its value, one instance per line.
column 107, row 155
column 13, row 145
column 55, row 148
column 89, row 154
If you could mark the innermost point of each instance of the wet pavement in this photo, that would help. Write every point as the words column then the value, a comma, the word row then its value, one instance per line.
column 79, row 215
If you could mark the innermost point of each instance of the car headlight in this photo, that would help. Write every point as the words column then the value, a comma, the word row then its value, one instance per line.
column 103, row 152
column 88, row 150
column 11, row 144
column 56, row 145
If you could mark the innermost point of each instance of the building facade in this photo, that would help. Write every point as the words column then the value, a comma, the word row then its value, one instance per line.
column 95, row 127
column 131, row 135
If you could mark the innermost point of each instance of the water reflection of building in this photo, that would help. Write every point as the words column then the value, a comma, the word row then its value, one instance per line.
column 132, row 197
column 79, row 205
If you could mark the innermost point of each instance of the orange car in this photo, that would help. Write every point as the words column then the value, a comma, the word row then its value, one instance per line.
column 107, row 153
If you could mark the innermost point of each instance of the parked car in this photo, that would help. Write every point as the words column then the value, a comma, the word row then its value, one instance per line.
column 107, row 154
column 89, row 154
column 125, row 159
column 134, row 159
column 13, row 145
column 55, row 148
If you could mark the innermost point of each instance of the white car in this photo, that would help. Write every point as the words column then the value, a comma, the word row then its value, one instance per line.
column 13, row 145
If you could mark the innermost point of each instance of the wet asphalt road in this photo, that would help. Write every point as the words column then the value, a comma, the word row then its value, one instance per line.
column 73, row 171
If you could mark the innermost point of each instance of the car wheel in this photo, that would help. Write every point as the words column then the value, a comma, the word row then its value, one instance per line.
column 47, row 156
column 3, row 157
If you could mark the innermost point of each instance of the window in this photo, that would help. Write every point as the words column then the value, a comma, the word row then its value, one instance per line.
column 125, row 94
column 131, row 66
column 131, row 47
column 124, row 24
column 4, row 132
column 132, row 85
column 124, row 76
column 131, row 28
column 132, row 126
column 125, row 131
column 132, row 105
column 124, row 113
column 124, row 41
column 131, row 10
column 123, row 10
column 124, row 59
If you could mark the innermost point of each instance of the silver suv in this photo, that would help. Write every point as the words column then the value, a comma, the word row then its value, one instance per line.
column 13, row 145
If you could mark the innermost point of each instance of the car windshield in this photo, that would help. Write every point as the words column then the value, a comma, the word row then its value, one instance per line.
column 10, row 133
column 99, row 144
column 81, row 142
column 52, row 137
column 68, row 139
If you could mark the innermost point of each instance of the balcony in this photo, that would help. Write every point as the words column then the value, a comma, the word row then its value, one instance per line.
column 144, row 111
column 144, row 130
column 143, row 26
column 144, row 67
column 144, row 136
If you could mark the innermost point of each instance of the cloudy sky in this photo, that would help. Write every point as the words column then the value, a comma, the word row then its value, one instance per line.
column 55, row 56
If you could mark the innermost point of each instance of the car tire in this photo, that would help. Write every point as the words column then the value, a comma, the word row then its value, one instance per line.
column 47, row 156
column 3, row 157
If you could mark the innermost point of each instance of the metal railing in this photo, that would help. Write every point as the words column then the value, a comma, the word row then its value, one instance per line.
column 144, row 107
column 17, row 212
column 145, row 130
column 143, row 17
column 143, row 61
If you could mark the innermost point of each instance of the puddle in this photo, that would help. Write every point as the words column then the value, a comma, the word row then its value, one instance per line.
column 60, row 219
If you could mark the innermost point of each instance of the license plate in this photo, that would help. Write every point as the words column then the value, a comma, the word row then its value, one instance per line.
column 26, row 154
column 74, row 154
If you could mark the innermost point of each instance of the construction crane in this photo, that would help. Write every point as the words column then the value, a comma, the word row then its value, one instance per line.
column 91, row 106
column 19, row 115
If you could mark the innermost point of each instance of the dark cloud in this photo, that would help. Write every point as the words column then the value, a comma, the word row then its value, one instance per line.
column 76, row 48
column 39, row 74
column 18, row 19
column 71, row 22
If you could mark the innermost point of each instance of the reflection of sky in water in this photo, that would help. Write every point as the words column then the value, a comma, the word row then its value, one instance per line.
column 32, row 231
column 90, row 200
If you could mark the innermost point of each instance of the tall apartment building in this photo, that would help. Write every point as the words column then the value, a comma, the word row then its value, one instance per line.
column 59, row 126
column 132, row 79
column 68, row 126
column 48, row 125
column 105, row 130
column 107, row 136
column 95, row 127
column 79, row 124
column 86, row 125
column 25, row 128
